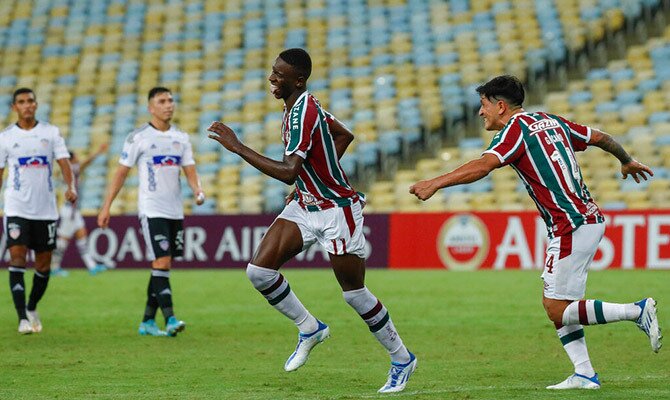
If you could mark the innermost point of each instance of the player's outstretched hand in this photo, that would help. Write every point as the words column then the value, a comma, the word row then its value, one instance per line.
column 423, row 190
column 224, row 135
column 103, row 218
column 634, row 168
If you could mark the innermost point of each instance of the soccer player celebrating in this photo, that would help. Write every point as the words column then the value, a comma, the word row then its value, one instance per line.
column 540, row 147
column 29, row 148
column 325, row 209
column 72, row 224
column 159, row 149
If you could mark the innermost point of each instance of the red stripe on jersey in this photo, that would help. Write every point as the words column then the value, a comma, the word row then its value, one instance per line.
column 349, row 216
column 344, row 246
column 318, row 160
column 334, row 246
column 566, row 246
column 583, row 318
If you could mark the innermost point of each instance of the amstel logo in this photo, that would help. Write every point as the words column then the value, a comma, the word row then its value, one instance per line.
column 463, row 242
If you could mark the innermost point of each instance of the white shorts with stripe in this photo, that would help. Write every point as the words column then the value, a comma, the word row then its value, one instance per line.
column 70, row 221
column 568, row 260
column 339, row 229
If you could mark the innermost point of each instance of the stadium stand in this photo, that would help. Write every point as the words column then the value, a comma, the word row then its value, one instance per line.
column 400, row 73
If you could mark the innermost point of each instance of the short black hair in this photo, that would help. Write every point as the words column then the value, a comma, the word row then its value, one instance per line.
column 22, row 91
column 504, row 87
column 157, row 90
column 298, row 59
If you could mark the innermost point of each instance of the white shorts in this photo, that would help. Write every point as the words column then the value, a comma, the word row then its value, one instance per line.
column 339, row 229
column 70, row 221
column 568, row 260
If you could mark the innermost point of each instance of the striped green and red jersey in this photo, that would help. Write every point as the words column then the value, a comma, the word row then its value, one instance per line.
column 321, row 182
column 541, row 148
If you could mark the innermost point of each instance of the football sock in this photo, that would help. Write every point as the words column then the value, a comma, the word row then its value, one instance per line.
column 40, row 282
column 160, row 283
column 152, row 304
column 59, row 251
column 276, row 290
column 592, row 312
column 572, row 338
column 373, row 312
column 18, row 288
column 82, row 246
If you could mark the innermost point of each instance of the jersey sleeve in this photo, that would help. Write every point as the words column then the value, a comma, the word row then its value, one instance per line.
column 130, row 152
column 303, row 120
column 187, row 157
column 508, row 144
column 60, row 150
column 580, row 135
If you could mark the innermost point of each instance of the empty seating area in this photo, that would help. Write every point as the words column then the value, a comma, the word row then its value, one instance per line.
column 395, row 71
column 628, row 99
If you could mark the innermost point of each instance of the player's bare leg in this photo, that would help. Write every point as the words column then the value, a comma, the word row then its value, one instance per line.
column 282, row 242
column 350, row 273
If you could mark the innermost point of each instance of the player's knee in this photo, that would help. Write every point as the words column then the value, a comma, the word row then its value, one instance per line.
column 261, row 277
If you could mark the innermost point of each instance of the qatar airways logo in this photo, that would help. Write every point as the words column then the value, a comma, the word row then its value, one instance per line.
column 542, row 125
column 34, row 162
column 167, row 161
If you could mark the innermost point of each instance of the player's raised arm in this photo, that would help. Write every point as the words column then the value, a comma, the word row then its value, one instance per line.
column 113, row 189
column 101, row 150
column 286, row 170
column 469, row 172
column 629, row 166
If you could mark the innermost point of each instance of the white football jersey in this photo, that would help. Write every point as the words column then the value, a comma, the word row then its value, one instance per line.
column 29, row 156
column 159, row 157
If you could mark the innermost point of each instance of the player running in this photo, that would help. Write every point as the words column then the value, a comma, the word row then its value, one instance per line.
column 540, row 147
column 29, row 148
column 71, row 224
column 325, row 209
column 159, row 150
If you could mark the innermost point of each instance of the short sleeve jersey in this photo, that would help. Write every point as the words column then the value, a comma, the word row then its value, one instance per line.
column 541, row 148
column 321, row 182
column 29, row 156
column 159, row 157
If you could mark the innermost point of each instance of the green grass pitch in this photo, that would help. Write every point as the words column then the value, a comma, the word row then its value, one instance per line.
column 479, row 335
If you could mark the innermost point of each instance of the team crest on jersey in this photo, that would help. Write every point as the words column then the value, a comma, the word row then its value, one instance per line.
column 167, row 161
column 463, row 242
column 543, row 125
column 34, row 161
column 14, row 230
column 44, row 142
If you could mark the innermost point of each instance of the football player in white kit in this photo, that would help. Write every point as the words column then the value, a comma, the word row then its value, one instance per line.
column 28, row 148
column 159, row 150
column 71, row 224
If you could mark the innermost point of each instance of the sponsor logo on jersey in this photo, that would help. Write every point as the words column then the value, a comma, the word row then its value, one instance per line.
column 124, row 155
column 309, row 199
column 34, row 162
column 167, row 161
column 543, row 125
column 463, row 242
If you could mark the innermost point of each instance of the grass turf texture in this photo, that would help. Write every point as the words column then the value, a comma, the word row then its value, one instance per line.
column 478, row 335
